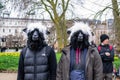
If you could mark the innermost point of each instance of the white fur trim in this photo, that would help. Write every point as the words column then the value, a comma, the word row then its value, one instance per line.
column 39, row 26
column 81, row 26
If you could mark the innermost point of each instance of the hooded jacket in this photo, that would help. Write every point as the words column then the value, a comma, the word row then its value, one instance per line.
column 37, row 65
column 93, row 68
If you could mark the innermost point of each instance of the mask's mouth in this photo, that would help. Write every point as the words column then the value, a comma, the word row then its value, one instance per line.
column 35, row 38
column 80, row 38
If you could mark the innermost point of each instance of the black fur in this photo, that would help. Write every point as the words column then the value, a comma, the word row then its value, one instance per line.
column 34, row 45
column 74, row 42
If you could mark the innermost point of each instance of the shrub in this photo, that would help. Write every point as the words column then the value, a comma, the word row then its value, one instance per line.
column 116, row 62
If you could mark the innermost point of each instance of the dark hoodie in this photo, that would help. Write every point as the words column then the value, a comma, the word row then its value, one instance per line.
column 107, row 60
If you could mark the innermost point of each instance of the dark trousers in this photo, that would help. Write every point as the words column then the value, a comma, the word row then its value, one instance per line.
column 107, row 76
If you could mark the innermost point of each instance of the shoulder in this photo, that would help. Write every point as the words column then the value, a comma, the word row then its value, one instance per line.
column 111, row 47
column 93, row 51
column 93, row 48
column 49, row 49
column 24, row 49
column 66, row 49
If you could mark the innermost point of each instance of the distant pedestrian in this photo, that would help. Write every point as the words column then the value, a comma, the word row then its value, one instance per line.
column 106, row 52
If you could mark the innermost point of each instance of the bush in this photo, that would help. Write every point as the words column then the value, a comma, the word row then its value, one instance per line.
column 116, row 58
column 116, row 62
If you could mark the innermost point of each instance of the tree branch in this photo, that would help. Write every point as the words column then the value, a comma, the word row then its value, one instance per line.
column 64, row 10
column 46, row 7
column 100, row 13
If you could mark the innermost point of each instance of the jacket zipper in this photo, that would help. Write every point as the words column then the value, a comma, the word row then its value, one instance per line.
column 35, row 66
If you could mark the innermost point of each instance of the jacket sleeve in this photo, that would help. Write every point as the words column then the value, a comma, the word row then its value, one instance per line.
column 108, row 58
column 59, row 69
column 98, row 67
column 20, row 75
column 112, row 55
column 52, row 65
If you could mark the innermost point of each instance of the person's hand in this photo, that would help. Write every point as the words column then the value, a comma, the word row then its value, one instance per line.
column 107, row 54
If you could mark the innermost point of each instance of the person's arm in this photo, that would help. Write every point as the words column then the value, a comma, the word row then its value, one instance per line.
column 20, row 75
column 110, row 57
column 112, row 54
column 102, row 53
column 98, row 66
column 52, row 65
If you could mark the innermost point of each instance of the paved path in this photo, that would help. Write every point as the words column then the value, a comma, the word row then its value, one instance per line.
column 8, row 76
column 12, row 76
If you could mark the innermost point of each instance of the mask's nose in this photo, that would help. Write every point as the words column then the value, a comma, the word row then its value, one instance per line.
column 35, row 36
column 80, row 37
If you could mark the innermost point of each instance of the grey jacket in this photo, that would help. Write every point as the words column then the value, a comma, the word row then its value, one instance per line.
column 37, row 65
column 93, row 67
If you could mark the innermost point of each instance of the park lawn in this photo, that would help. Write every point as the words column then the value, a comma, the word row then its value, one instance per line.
column 9, row 61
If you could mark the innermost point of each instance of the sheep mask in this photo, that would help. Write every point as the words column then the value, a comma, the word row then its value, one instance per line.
column 82, row 30
column 36, row 33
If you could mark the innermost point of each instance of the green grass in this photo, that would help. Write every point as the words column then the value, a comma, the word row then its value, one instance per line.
column 8, row 63
column 58, row 56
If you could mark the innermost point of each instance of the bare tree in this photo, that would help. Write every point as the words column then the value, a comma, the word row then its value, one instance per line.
column 116, row 15
column 56, row 9
column 58, row 18
column 57, row 12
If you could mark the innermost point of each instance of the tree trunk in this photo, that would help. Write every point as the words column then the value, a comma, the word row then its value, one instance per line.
column 59, row 37
column 61, row 34
column 116, row 22
column 64, row 30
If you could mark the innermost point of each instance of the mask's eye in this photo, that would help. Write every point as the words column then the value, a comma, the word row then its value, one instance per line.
column 68, row 32
column 92, row 33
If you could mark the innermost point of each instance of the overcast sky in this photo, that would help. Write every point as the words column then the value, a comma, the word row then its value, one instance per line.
column 86, row 10
column 91, row 7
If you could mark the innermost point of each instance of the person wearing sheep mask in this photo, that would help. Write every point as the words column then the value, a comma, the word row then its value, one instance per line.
column 80, row 60
column 37, row 60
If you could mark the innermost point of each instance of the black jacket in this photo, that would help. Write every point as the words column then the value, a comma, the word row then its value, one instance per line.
column 37, row 66
column 107, row 60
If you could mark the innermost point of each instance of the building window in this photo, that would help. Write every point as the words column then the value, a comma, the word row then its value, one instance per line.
column 3, row 30
column 10, row 22
column 15, row 23
column 9, row 30
column 15, row 30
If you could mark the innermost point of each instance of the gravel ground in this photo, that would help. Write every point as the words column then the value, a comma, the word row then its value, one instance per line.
column 12, row 76
column 8, row 76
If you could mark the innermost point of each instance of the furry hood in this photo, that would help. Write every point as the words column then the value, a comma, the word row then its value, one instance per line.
column 83, row 27
column 42, row 28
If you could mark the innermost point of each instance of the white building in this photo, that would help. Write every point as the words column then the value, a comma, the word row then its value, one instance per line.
column 13, row 28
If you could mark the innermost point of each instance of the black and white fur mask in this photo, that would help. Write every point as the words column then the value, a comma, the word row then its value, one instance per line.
column 36, row 33
column 80, row 35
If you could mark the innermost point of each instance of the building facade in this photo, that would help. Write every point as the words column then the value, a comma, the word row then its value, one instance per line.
column 11, row 31
column 12, row 35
